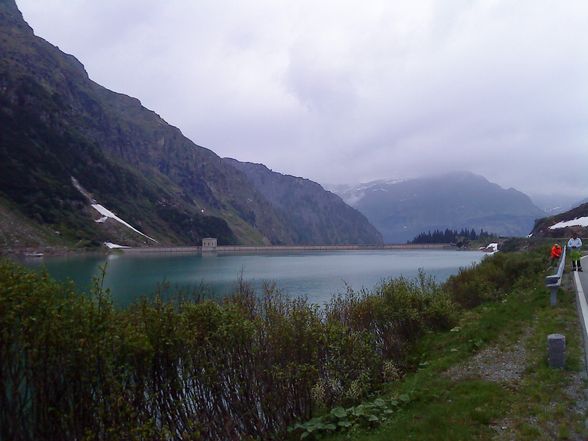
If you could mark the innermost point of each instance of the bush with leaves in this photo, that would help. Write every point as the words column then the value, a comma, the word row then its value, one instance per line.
column 492, row 278
column 73, row 367
column 339, row 419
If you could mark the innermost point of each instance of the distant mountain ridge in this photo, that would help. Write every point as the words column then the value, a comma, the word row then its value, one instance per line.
column 402, row 209
column 58, row 125
column 313, row 213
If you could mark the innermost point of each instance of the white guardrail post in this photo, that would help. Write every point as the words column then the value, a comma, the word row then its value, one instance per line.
column 553, row 282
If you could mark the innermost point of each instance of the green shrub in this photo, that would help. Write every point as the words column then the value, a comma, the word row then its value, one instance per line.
column 492, row 278
column 395, row 314
column 74, row 367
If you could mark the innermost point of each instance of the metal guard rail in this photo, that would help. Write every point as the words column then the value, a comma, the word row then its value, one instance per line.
column 553, row 282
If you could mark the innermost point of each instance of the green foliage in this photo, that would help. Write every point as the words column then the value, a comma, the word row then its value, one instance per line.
column 395, row 314
column 539, row 404
column 74, row 367
column 492, row 278
column 339, row 419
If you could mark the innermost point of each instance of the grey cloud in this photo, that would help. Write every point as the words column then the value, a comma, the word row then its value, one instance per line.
column 342, row 91
column 320, row 90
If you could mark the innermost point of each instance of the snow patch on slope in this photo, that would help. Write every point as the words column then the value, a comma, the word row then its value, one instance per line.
column 82, row 190
column 491, row 248
column 114, row 246
column 353, row 194
column 578, row 222
column 106, row 213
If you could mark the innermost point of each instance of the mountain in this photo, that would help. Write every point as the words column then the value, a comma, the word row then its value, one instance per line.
column 314, row 214
column 352, row 194
column 554, row 204
column 403, row 209
column 563, row 224
column 93, row 165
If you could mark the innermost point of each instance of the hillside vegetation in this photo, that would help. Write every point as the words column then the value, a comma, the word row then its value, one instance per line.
column 74, row 367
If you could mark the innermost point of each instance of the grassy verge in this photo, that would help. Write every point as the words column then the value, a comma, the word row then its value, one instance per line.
column 488, row 378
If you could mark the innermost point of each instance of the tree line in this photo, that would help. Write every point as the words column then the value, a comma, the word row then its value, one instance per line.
column 452, row 236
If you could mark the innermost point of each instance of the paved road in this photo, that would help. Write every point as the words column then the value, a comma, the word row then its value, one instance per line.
column 584, row 275
column 581, row 282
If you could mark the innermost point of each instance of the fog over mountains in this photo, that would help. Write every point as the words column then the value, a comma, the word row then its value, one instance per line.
column 557, row 203
column 401, row 209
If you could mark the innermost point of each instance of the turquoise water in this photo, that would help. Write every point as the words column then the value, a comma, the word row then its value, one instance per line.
column 316, row 275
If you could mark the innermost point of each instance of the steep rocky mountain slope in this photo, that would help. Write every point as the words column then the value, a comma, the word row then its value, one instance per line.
column 403, row 209
column 58, row 125
column 314, row 214
column 563, row 224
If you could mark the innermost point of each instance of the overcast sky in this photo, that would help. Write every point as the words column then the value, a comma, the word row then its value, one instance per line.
column 350, row 91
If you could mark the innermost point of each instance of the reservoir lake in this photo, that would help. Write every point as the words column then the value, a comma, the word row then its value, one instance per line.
column 317, row 275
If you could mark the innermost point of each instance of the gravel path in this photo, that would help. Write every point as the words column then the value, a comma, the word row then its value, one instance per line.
column 507, row 367
column 494, row 364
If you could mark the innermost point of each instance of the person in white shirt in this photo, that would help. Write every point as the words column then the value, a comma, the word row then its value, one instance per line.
column 574, row 245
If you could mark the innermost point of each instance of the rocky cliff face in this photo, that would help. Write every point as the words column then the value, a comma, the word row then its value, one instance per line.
column 403, row 209
column 563, row 224
column 57, row 124
column 314, row 214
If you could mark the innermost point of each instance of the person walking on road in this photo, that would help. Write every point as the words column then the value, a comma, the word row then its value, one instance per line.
column 574, row 245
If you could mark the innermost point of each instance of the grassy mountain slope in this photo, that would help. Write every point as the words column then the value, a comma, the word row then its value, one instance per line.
column 16, row 230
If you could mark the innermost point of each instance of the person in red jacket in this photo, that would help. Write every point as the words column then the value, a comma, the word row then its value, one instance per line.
column 555, row 253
